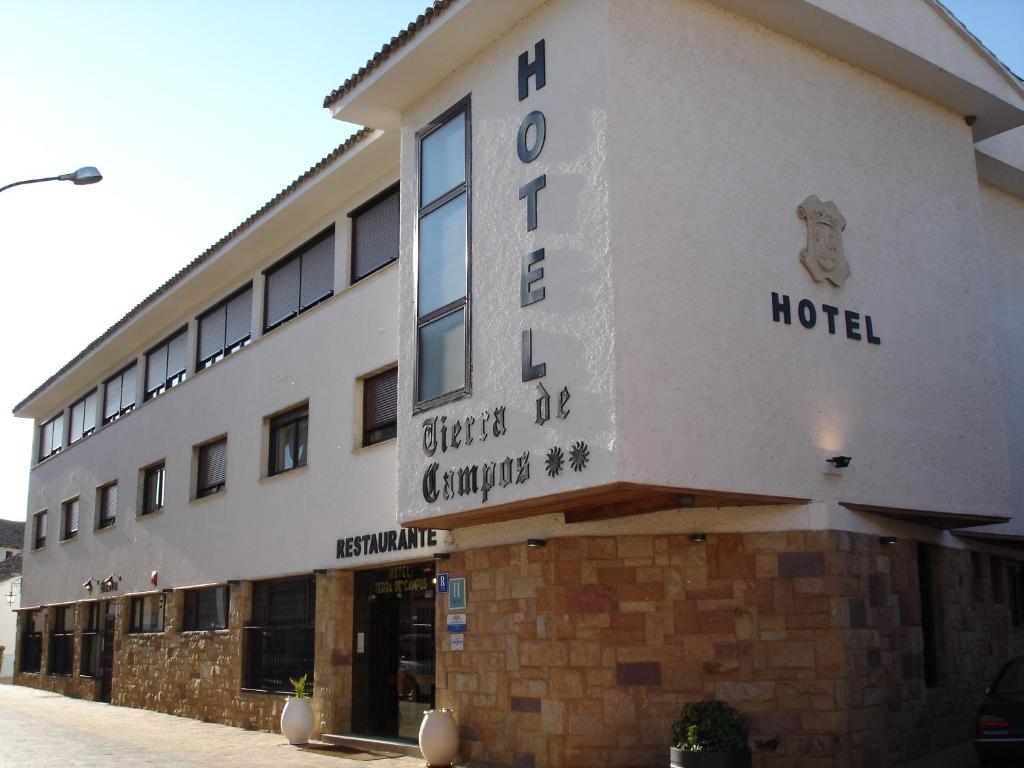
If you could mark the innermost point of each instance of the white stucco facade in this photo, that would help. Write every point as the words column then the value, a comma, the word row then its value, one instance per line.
column 673, row 172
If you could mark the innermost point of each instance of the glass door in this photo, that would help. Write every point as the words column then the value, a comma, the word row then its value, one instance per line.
column 393, row 664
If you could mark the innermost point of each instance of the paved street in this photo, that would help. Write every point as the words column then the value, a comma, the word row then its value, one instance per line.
column 42, row 729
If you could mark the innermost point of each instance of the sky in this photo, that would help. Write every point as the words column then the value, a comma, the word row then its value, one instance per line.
column 196, row 112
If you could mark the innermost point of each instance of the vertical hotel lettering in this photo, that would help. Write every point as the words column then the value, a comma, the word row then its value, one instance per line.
column 529, row 143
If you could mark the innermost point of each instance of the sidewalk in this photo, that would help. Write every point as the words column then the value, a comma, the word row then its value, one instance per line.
column 41, row 730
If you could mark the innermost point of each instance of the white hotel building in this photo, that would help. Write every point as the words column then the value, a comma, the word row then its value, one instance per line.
column 685, row 338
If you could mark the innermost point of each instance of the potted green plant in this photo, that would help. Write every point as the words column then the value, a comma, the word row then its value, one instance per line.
column 710, row 734
column 297, row 715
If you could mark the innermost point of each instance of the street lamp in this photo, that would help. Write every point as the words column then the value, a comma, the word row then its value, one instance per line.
column 86, row 175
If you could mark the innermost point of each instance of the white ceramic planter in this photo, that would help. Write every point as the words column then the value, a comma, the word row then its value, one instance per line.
column 439, row 737
column 297, row 721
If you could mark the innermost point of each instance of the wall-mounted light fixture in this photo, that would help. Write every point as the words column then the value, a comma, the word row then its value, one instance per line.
column 319, row 571
column 167, row 590
column 840, row 462
column 233, row 582
column 698, row 538
column 687, row 500
column 535, row 543
column 441, row 556
column 887, row 540
column 87, row 585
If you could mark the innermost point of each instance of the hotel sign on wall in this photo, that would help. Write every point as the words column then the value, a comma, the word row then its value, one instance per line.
column 442, row 434
column 824, row 258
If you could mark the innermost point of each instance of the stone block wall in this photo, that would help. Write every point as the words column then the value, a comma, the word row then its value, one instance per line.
column 332, row 696
column 191, row 674
column 894, row 715
column 583, row 652
column 75, row 684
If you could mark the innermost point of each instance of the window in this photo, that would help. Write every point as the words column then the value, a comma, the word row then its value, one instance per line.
column 147, row 614
column 224, row 328
column 375, row 234
column 443, row 259
column 69, row 519
column 302, row 279
column 1015, row 582
column 119, row 394
column 39, row 530
column 32, row 642
column 930, row 651
column 62, row 641
column 288, row 437
column 106, row 514
column 153, row 480
column 279, row 638
column 380, row 407
column 83, row 417
column 89, row 664
column 211, row 467
column 205, row 609
column 165, row 364
column 51, row 437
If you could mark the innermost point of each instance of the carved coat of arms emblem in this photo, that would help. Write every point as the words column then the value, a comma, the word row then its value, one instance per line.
column 823, row 257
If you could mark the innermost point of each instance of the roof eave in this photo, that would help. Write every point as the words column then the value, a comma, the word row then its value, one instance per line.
column 38, row 404
column 407, row 68
column 839, row 37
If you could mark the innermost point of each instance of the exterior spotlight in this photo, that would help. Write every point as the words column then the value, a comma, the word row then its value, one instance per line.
column 441, row 556
column 85, row 175
column 687, row 500
column 87, row 586
column 535, row 543
column 698, row 538
column 886, row 540
column 840, row 462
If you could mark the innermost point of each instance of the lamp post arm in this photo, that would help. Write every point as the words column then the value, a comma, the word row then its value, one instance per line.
column 31, row 181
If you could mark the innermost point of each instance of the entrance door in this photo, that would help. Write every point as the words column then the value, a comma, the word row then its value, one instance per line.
column 393, row 664
column 107, row 654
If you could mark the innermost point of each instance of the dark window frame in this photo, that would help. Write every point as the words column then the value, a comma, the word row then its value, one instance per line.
column 122, row 409
column 147, row 474
column 295, row 253
column 464, row 105
column 95, row 416
column 169, row 381
column 274, row 649
column 191, row 610
column 203, row 363
column 102, row 523
column 51, row 450
column 66, row 534
column 61, row 657
column 394, row 189
column 88, row 665
column 39, row 541
column 202, row 491
column 135, row 614
column 276, row 425
column 379, row 432
column 31, row 660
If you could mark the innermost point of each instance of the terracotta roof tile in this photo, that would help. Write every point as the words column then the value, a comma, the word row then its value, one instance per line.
column 399, row 40
column 201, row 259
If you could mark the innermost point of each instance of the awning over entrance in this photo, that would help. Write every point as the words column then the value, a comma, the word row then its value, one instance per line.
column 604, row 502
column 934, row 518
column 1011, row 540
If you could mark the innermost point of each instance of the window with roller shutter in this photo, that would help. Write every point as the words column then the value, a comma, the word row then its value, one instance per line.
column 119, row 394
column 69, row 519
column 83, row 417
column 211, row 467
column 380, row 407
column 301, row 280
column 375, row 234
column 224, row 328
column 165, row 364
column 106, row 507
column 51, row 436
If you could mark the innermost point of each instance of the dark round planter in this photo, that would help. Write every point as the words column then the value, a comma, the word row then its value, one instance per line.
column 680, row 759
